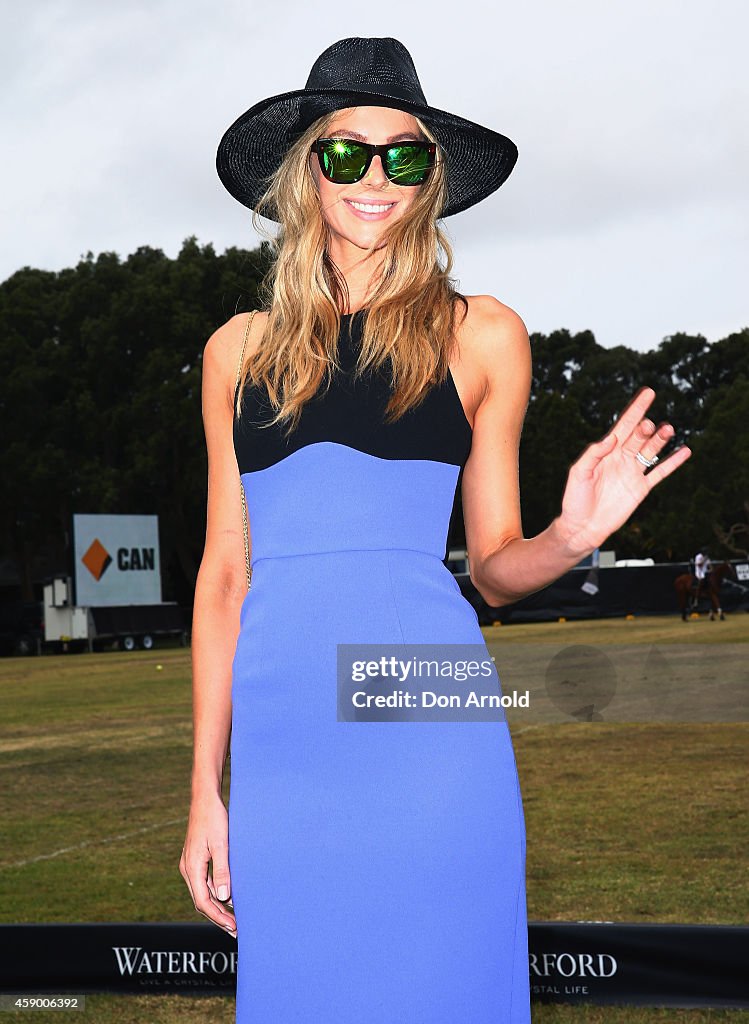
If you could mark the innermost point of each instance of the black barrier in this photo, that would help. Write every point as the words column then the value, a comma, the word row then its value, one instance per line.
column 116, row 958
column 685, row 966
column 617, row 591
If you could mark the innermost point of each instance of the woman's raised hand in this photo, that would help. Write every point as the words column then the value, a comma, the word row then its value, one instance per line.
column 207, row 841
column 607, row 483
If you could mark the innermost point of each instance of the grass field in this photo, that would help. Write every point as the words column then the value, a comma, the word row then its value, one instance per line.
column 101, row 1009
column 626, row 820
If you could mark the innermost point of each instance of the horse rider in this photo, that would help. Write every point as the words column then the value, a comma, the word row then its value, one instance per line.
column 702, row 566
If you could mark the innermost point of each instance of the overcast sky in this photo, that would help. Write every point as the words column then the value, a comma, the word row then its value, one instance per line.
column 627, row 212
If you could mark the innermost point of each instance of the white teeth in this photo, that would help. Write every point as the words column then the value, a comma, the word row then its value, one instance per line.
column 371, row 207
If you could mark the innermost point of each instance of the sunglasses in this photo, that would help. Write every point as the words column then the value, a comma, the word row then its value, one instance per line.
column 345, row 161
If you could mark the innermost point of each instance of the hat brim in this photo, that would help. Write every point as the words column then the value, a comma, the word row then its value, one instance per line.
column 478, row 160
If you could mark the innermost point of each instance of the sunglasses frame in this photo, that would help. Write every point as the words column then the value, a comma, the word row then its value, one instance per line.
column 372, row 151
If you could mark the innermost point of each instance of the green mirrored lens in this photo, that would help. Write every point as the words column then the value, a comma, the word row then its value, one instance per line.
column 343, row 160
column 408, row 165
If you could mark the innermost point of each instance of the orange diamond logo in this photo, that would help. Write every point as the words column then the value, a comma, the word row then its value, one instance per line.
column 97, row 559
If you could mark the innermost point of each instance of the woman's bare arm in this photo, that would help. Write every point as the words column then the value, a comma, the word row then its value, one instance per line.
column 221, row 584
column 504, row 565
column 604, row 486
column 220, row 589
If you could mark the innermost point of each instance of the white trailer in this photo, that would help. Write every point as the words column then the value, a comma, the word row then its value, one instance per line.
column 70, row 627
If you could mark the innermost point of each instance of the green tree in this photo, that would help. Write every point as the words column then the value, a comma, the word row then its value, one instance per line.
column 100, row 411
column 101, row 399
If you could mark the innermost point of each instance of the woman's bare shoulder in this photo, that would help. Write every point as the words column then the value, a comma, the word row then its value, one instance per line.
column 489, row 321
column 223, row 348
column 493, row 342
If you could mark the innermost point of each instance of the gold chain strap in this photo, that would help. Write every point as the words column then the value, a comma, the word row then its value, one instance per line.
column 248, row 567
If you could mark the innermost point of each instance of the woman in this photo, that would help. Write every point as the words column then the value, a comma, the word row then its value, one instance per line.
column 371, row 869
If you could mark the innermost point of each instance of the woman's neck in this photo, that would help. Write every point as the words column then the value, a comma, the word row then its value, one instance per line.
column 359, row 271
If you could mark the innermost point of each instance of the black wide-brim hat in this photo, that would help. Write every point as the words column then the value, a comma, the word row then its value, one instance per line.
column 360, row 72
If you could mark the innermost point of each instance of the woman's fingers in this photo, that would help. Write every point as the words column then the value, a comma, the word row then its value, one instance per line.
column 662, row 469
column 183, row 871
column 194, row 869
column 657, row 441
column 220, row 873
column 204, row 901
column 634, row 432
column 648, row 439
column 229, row 922
column 630, row 427
column 642, row 433
column 589, row 459
column 632, row 414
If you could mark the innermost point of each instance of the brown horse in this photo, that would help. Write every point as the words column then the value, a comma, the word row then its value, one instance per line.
column 688, row 595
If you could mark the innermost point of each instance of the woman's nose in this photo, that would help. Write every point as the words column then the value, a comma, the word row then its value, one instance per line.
column 376, row 172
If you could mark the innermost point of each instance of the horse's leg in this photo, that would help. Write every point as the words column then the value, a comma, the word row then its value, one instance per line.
column 682, row 596
column 715, row 582
column 689, row 593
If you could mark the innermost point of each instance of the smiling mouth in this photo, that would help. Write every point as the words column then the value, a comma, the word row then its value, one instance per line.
column 370, row 207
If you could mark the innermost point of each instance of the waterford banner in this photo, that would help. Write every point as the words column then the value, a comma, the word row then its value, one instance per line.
column 684, row 966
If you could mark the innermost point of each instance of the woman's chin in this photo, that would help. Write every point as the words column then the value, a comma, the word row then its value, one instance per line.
column 363, row 238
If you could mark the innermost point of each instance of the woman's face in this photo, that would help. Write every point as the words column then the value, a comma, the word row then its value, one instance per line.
column 341, row 205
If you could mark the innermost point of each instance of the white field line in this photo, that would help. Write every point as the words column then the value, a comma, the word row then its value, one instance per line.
column 93, row 842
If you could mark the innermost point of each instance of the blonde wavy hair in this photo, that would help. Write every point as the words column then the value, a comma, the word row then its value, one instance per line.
column 412, row 305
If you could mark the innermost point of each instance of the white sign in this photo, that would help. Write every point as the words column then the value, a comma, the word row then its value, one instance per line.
column 116, row 560
column 742, row 571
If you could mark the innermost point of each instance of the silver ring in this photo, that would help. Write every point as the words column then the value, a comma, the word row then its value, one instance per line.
column 646, row 462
